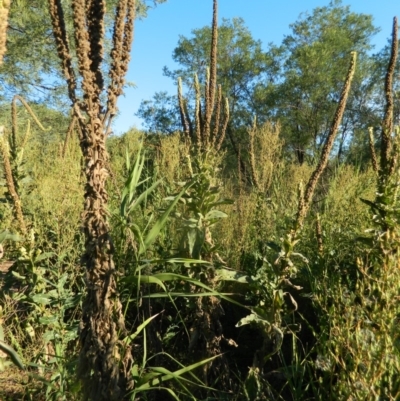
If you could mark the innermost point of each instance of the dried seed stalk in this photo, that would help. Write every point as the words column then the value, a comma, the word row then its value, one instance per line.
column 104, row 364
column 252, row 132
column 68, row 135
column 213, row 137
column 312, row 183
column 95, row 26
column 198, row 118
column 372, row 149
column 122, row 42
column 387, row 124
column 182, row 111
column 212, row 81
column 82, row 42
column 4, row 8
column 5, row 152
column 61, row 38
column 318, row 233
column 224, row 125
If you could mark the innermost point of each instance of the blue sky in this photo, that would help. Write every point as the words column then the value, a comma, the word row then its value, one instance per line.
column 268, row 20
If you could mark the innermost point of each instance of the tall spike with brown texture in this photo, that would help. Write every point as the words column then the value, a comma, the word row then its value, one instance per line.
column 16, row 201
column 387, row 124
column 120, row 54
column 61, row 38
column 4, row 7
column 372, row 149
column 254, row 175
column 182, row 111
column 212, row 82
column 104, row 365
column 323, row 161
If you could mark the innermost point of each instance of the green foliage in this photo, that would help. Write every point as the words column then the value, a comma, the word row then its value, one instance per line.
column 222, row 299
column 313, row 62
column 242, row 66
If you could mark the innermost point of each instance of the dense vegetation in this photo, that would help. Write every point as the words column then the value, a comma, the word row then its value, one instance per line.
column 246, row 247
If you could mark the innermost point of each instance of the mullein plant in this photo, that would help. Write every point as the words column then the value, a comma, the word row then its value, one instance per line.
column 274, row 280
column 105, row 361
column 4, row 9
column 362, row 346
column 205, row 135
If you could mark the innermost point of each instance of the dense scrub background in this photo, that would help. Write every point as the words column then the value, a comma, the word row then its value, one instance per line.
column 230, row 287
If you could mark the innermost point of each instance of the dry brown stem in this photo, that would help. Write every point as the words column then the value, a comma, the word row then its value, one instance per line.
column 104, row 365
column 224, row 125
column 61, row 38
column 68, row 135
column 95, row 26
column 198, row 119
column 318, row 233
column 252, row 132
column 122, row 42
column 182, row 111
column 213, row 136
column 5, row 152
column 4, row 8
column 312, row 183
column 372, row 149
column 387, row 124
column 212, row 81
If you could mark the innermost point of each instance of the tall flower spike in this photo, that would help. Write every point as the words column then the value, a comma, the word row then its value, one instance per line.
column 84, row 63
column 254, row 175
column 122, row 42
column 323, row 161
column 182, row 111
column 4, row 7
column 387, row 124
column 372, row 149
column 213, row 138
column 95, row 24
column 224, row 125
column 60, row 35
column 210, row 97
column 198, row 111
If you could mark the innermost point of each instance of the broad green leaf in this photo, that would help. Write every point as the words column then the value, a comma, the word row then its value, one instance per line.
column 127, row 340
column 167, row 375
column 232, row 275
column 160, row 223
column 10, row 351
column 215, row 214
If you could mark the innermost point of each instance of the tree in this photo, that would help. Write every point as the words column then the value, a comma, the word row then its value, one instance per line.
column 313, row 61
column 161, row 114
column 242, row 66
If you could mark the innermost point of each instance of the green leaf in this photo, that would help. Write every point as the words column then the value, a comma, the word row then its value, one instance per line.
column 149, row 382
column 127, row 340
column 252, row 318
column 215, row 214
column 160, row 278
column 160, row 223
column 41, row 299
column 44, row 256
column 6, row 235
column 232, row 275
column 10, row 351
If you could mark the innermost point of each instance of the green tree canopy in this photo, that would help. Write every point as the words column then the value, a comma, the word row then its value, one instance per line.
column 242, row 66
column 313, row 63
